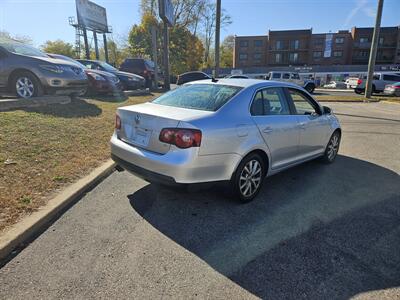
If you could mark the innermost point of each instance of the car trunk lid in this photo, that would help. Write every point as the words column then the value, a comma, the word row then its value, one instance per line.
column 142, row 124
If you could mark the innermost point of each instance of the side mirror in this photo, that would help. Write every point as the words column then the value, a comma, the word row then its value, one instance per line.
column 326, row 110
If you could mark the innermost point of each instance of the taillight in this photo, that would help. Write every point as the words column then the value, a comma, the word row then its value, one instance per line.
column 359, row 81
column 117, row 122
column 396, row 86
column 180, row 137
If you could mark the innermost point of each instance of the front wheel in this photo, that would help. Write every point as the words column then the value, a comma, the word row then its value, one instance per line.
column 332, row 148
column 248, row 178
column 26, row 85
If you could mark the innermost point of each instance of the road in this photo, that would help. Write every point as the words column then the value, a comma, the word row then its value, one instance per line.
column 315, row 232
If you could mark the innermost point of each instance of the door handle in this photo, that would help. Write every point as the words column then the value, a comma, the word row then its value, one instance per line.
column 267, row 129
column 302, row 125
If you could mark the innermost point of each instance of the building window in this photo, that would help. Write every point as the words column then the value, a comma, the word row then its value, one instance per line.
column 243, row 56
column 293, row 57
column 317, row 54
column 363, row 40
column 381, row 40
column 295, row 44
column 244, row 43
column 258, row 43
column 363, row 53
column 319, row 42
column 337, row 53
column 279, row 45
column 278, row 57
column 339, row 40
column 257, row 56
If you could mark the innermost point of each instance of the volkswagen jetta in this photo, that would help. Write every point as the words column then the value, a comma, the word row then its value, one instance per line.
column 236, row 130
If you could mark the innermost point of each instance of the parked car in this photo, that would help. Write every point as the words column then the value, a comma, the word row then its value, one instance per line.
column 351, row 82
column 128, row 81
column 191, row 76
column 27, row 72
column 238, row 76
column 294, row 77
column 335, row 85
column 194, row 134
column 100, row 82
column 142, row 67
column 392, row 89
column 380, row 80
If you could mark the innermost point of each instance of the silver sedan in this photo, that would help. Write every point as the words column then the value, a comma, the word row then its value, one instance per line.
column 235, row 130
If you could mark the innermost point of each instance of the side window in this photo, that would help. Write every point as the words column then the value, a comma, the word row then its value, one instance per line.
column 275, row 102
column 286, row 76
column 257, row 105
column 302, row 103
column 276, row 75
column 391, row 78
column 295, row 76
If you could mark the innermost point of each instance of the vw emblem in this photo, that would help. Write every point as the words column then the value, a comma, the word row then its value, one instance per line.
column 137, row 119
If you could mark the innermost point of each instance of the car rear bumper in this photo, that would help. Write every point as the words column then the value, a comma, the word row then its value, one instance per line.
column 178, row 166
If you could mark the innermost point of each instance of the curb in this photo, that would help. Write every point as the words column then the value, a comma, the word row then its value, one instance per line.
column 28, row 227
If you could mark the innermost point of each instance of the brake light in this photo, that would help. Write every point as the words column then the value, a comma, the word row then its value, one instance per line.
column 396, row 86
column 117, row 122
column 145, row 72
column 181, row 137
column 359, row 81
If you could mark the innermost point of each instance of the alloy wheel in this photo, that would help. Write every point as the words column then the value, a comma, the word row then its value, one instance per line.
column 24, row 87
column 333, row 147
column 250, row 178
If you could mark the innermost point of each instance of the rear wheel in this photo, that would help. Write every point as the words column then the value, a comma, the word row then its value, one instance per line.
column 332, row 148
column 248, row 178
column 359, row 91
column 26, row 85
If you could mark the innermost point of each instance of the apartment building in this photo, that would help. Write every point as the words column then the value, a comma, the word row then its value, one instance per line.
column 303, row 48
column 250, row 51
column 288, row 47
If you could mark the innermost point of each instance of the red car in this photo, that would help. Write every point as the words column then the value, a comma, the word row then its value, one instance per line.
column 100, row 82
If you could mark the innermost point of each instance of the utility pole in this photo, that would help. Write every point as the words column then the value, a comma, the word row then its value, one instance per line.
column 166, row 58
column 154, row 45
column 374, row 49
column 217, row 37
column 105, row 47
column 85, row 39
column 96, row 45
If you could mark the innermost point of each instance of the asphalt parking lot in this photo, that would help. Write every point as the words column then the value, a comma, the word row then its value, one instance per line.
column 315, row 232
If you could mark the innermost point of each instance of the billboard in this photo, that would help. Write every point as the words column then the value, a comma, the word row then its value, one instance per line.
column 91, row 15
column 166, row 10
column 328, row 45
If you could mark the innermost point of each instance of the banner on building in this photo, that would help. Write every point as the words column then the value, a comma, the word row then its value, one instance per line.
column 328, row 45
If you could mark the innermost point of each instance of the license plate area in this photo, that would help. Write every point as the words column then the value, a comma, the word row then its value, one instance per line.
column 140, row 136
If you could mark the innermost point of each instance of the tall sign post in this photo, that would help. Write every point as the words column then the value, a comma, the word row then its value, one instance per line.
column 374, row 48
column 91, row 17
column 166, row 10
column 217, row 37
column 154, row 44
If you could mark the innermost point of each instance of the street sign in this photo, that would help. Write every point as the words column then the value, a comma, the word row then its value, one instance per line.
column 166, row 10
column 91, row 16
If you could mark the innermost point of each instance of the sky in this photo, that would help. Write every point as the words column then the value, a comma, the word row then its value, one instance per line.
column 44, row 20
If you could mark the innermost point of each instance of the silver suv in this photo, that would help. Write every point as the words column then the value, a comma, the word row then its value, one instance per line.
column 293, row 77
column 27, row 72
column 380, row 80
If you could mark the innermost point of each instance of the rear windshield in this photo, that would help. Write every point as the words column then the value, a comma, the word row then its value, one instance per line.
column 208, row 97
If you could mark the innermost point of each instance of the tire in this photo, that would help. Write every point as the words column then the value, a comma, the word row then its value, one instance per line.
column 310, row 88
column 332, row 148
column 26, row 85
column 359, row 91
column 248, row 178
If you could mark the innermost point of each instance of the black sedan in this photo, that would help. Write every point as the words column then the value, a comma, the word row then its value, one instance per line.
column 128, row 81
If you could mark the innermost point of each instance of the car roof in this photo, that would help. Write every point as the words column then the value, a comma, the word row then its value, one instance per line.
column 245, row 83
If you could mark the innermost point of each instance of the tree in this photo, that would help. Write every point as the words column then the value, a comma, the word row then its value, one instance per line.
column 186, row 50
column 226, row 57
column 58, row 47
column 21, row 38
column 208, row 28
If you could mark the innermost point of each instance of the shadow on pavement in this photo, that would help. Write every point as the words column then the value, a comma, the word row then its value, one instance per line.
column 77, row 108
column 315, row 231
